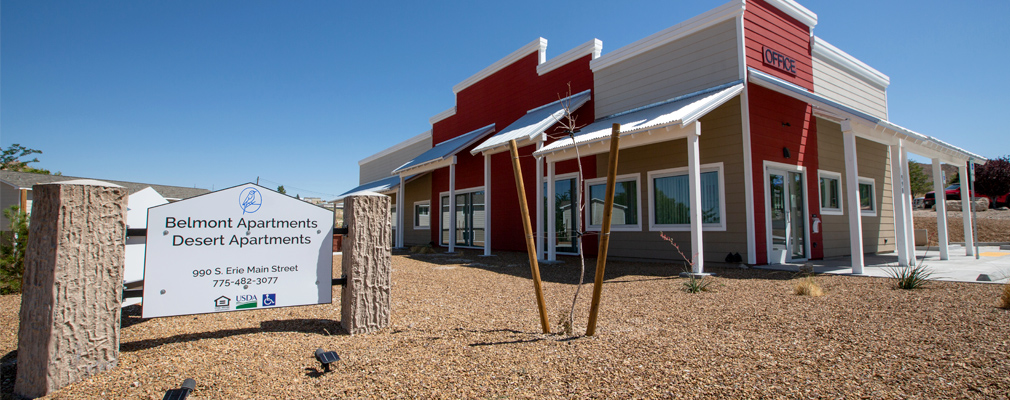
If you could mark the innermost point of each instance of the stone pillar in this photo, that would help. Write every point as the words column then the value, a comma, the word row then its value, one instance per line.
column 70, row 307
column 367, row 263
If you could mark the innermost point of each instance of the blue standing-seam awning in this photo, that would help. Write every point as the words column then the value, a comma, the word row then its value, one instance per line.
column 432, row 158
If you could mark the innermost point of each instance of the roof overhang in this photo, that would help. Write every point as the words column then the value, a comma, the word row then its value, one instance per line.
column 865, row 125
column 530, row 127
column 442, row 154
column 668, row 120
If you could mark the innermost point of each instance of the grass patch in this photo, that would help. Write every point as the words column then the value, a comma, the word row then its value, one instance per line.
column 808, row 287
column 910, row 277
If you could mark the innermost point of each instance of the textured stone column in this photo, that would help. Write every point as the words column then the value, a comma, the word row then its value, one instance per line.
column 367, row 262
column 72, row 284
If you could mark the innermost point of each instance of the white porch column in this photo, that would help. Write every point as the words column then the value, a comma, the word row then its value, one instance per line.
column 941, row 210
column 969, row 237
column 539, row 206
column 487, row 204
column 901, row 201
column 910, row 233
column 852, row 197
column 452, row 205
column 399, row 212
column 552, row 234
column 694, row 192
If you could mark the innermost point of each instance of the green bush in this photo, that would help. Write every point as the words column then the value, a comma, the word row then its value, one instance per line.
column 694, row 284
column 12, row 251
column 910, row 277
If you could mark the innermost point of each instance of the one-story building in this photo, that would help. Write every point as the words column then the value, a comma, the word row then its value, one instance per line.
column 741, row 132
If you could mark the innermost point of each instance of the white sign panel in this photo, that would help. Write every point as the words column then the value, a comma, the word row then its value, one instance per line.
column 242, row 248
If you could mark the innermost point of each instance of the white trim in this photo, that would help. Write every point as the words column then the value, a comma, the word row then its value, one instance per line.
column 587, row 214
column 539, row 45
column 873, row 199
column 396, row 147
column 679, row 171
column 487, row 205
column 795, row 10
column 820, row 196
column 748, row 162
column 594, row 47
column 772, row 165
column 442, row 115
column 693, row 25
column 823, row 49
column 414, row 215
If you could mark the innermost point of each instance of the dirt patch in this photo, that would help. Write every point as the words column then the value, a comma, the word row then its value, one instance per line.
column 473, row 332
column 992, row 226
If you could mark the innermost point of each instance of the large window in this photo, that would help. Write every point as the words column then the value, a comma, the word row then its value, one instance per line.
column 867, row 202
column 626, row 215
column 670, row 205
column 831, row 192
column 422, row 215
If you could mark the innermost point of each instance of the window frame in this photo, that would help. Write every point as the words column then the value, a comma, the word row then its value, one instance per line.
column 821, row 174
column 457, row 192
column 872, row 212
column 414, row 216
column 651, row 176
column 587, row 214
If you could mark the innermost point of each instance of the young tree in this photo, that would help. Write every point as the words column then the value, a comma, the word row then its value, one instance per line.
column 12, row 251
column 917, row 179
column 280, row 189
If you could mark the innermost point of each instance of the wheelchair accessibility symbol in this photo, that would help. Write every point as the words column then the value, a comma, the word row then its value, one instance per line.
column 269, row 300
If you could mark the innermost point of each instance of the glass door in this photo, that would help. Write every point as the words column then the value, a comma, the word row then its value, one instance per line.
column 469, row 219
column 788, row 220
column 566, row 216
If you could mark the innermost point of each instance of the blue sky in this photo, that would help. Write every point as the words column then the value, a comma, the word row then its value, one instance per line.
column 215, row 94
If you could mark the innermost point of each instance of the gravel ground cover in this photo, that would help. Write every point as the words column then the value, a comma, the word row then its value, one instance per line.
column 993, row 225
column 465, row 326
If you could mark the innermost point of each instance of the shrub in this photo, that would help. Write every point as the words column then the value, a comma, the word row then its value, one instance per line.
column 910, row 277
column 808, row 287
column 1004, row 298
column 993, row 177
column 12, row 251
column 695, row 284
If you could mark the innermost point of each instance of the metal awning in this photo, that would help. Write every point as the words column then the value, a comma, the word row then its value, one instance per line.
column 929, row 145
column 384, row 186
column 435, row 157
column 676, row 112
column 531, row 125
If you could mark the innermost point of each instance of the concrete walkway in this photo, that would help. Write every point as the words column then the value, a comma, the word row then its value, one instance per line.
column 960, row 268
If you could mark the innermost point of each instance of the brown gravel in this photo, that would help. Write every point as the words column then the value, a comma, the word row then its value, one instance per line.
column 467, row 327
column 993, row 225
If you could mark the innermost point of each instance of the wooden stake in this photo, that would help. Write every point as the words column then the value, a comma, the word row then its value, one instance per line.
column 608, row 208
column 531, row 247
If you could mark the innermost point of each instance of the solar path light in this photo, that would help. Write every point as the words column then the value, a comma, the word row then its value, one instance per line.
column 326, row 357
column 183, row 392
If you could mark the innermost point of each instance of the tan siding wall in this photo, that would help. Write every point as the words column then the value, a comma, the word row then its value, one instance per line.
column 872, row 162
column 840, row 86
column 699, row 61
column 721, row 141
column 417, row 190
column 382, row 167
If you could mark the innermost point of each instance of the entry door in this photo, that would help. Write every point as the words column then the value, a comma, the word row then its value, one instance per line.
column 566, row 216
column 469, row 219
column 788, row 220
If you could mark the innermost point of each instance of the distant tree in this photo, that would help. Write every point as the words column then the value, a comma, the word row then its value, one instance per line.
column 993, row 177
column 11, row 159
column 280, row 189
column 12, row 251
column 298, row 196
column 917, row 179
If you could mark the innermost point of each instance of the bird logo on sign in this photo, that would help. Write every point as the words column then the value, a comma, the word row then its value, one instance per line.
column 250, row 200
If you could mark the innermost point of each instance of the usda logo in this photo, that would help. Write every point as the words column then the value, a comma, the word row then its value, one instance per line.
column 245, row 301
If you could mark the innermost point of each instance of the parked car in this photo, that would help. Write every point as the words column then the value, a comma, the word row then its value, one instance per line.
column 953, row 192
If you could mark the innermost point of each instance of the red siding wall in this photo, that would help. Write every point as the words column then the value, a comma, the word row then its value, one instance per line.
column 769, row 112
column 765, row 25
column 501, row 99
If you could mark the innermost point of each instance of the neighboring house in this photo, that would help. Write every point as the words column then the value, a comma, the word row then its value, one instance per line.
column 740, row 132
column 16, row 189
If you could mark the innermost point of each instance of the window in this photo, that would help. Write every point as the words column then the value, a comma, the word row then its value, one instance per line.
column 422, row 215
column 867, row 205
column 669, row 203
column 831, row 192
column 626, row 213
